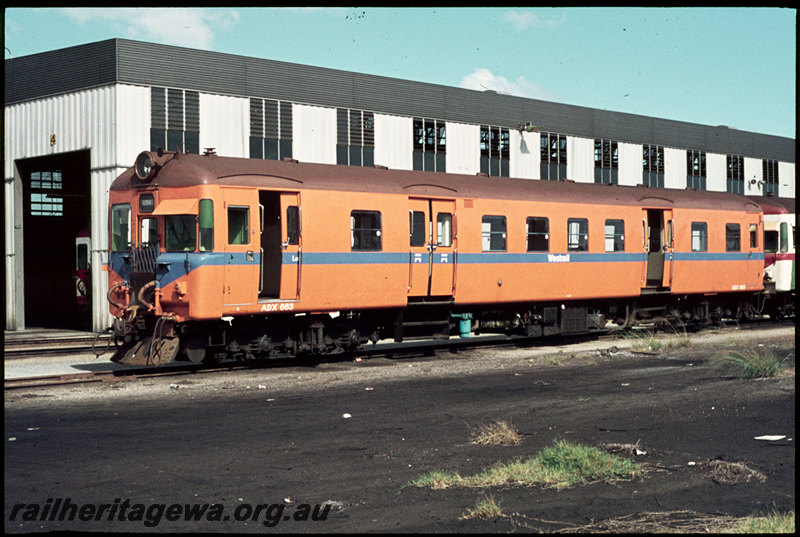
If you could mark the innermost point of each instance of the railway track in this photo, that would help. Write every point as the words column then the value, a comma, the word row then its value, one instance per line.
column 406, row 350
column 175, row 369
column 55, row 346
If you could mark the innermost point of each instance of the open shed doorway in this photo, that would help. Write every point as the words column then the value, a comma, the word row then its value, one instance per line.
column 56, row 204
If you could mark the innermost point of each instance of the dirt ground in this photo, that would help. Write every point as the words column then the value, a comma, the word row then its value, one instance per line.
column 357, row 433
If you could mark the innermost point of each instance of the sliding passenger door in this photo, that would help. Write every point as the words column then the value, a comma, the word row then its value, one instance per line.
column 659, row 247
column 280, row 245
column 432, row 262
column 292, row 257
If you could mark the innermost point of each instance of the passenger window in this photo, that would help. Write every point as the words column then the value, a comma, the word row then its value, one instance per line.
column 538, row 234
column 578, row 235
column 733, row 238
column 444, row 229
column 770, row 241
column 180, row 233
column 784, row 237
column 699, row 237
column 417, row 228
column 753, row 236
column 615, row 236
column 493, row 233
column 238, row 225
column 365, row 231
column 120, row 228
column 293, row 224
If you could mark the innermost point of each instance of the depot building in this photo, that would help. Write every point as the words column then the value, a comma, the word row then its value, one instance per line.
column 75, row 118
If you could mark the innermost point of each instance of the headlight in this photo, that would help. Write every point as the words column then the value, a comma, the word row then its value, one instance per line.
column 144, row 166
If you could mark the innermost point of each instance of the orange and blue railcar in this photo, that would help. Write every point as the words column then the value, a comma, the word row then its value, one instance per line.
column 213, row 256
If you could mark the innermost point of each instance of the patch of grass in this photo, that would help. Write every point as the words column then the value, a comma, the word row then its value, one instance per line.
column 558, row 466
column 499, row 433
column 436, row 480
column 771, row 523
column 749, row 362
column 485, row 508
column 568, row 464
column 653, row 342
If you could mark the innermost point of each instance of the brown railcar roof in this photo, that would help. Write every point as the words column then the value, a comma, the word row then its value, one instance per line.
column 187, row 170
column 773, row 205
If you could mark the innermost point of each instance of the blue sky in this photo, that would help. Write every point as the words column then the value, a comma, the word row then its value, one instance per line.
column 714, row 66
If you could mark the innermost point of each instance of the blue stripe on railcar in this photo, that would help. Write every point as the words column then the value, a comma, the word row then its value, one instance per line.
column 719, row 256
column 174, row 265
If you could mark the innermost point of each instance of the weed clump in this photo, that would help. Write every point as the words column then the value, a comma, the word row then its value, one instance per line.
column 751, row 362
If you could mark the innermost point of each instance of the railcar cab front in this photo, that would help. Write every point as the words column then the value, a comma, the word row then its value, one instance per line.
column 156, row 235
column 187, row 245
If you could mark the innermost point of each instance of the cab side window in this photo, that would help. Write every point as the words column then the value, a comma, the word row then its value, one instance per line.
column 238, row 225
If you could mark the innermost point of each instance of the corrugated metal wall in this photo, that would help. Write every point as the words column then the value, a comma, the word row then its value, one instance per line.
column 109, row 122
column 674, row 168
column 463, row 152
column 79, row 105
column 225, row 125
column 630, row 164
column 393, row 142
column 786, row 172
column 525, row 156
column 580, row 159
column 135, row 62
column 314, row 134
column 717, row 169
column 61, row 124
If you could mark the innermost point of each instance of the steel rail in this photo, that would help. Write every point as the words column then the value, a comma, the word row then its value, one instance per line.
column 391, row 351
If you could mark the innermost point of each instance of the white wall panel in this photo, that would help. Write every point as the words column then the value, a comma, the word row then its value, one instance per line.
column 524, row 155
column 753, row 173
column 580, row 159
column 630, row 164
column 674, row 168
column 65, row 123
column 100, row 183
column 225, row 125
column 314, row 134
column 393, row 142
column 716, row 172
column 132, row 123
column 463, row 148
column 787, row 186
column 14, row 263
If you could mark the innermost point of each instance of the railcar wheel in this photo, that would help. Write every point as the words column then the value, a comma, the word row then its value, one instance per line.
column 195, row 350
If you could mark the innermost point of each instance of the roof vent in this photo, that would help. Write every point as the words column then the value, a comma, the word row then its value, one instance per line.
column 210, row 151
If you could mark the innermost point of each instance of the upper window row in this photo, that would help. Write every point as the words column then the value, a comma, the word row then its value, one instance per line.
column 733, row 237
column 494, row 234
column 180, row 231
column 271, row 138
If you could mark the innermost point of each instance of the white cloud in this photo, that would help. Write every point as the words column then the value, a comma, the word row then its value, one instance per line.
column 482, row 79
column 522, row 20
column 189, row 27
